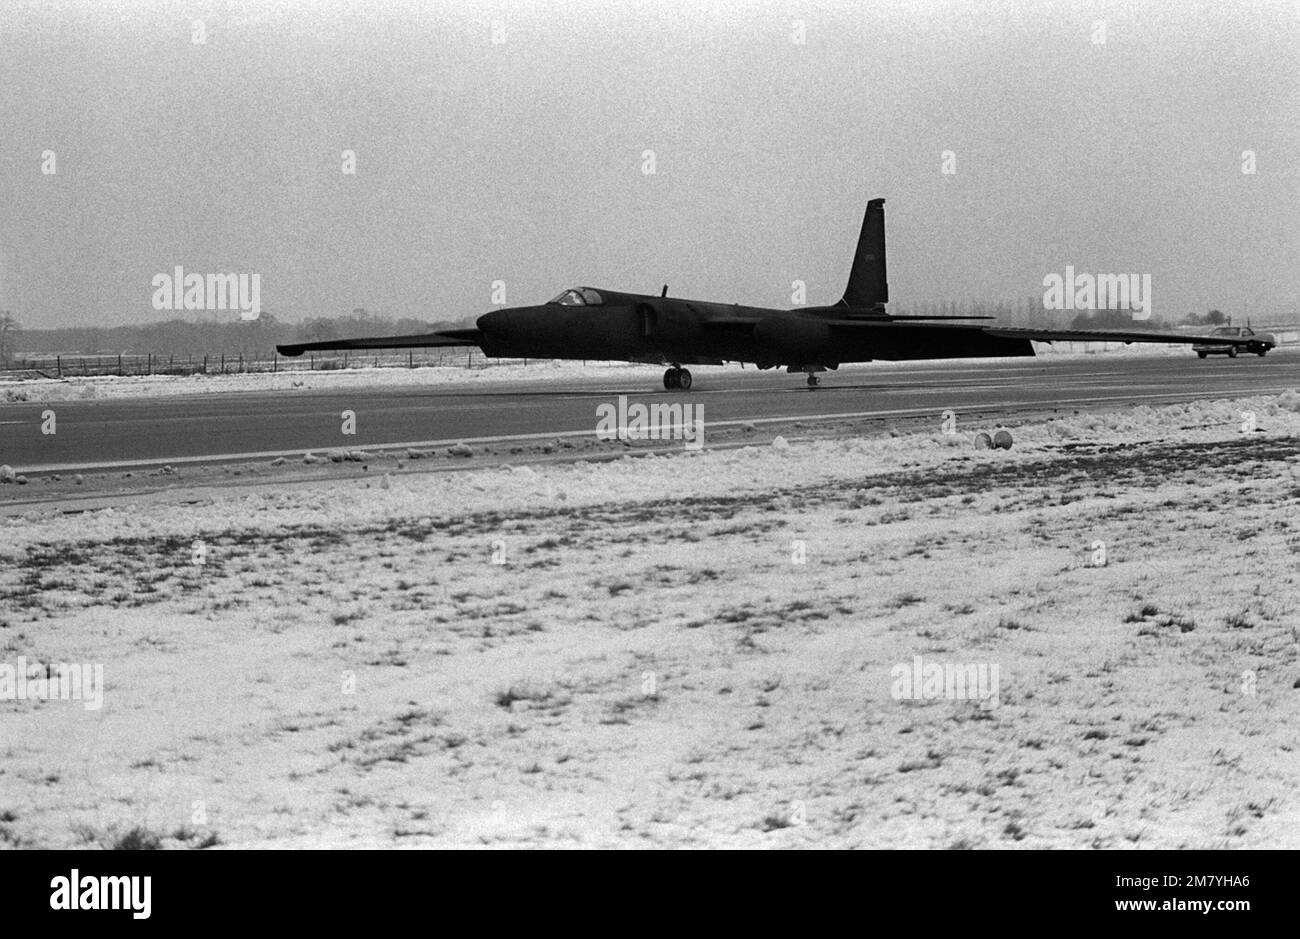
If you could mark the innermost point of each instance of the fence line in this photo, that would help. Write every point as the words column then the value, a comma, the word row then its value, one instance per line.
column 77, row 365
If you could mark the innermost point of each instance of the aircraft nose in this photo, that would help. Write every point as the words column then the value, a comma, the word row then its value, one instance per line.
column 495, row 323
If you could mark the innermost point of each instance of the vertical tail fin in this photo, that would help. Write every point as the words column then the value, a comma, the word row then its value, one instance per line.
column 867, row 283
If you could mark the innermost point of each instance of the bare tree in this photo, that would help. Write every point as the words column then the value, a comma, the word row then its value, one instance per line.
column 8, row 330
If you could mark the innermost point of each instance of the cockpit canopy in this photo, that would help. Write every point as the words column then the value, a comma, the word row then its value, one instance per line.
column 579, row 296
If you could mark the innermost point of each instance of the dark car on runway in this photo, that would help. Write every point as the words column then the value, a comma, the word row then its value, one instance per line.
column 1259, row 344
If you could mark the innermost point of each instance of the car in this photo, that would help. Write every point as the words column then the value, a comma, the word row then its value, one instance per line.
column 1259, row 342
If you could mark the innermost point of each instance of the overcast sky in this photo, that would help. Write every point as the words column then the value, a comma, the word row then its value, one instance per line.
column 522, row 161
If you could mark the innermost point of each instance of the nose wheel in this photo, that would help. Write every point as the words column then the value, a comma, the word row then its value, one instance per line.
column 813, row 381
column 677, row 379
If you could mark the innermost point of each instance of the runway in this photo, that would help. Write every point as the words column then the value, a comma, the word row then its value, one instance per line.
column 218, row 427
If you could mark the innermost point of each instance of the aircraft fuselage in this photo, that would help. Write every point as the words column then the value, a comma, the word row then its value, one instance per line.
column 645, row 328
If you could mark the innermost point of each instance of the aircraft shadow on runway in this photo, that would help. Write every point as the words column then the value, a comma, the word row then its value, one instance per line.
column 641, row 391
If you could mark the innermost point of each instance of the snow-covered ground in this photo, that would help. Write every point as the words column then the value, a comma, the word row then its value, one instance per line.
column 136, row 386
column 701, row 649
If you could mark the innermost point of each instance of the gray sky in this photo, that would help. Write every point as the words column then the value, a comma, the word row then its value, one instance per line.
column 522, row 161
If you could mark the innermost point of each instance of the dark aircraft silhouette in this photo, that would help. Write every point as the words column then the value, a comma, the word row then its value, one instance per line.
column 586, row 323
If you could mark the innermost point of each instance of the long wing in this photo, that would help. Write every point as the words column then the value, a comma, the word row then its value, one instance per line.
column 449, row 337
column 1051, row 335
column 1112, row 335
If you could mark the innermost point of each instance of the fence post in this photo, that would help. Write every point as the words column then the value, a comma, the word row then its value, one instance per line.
column 119, row 365
column 410, row 359
column 223, row 363
column 275, row 362
column 205, row 363
column 241, row 363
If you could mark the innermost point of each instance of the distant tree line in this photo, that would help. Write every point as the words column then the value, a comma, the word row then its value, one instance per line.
column 1212, row 318
column 1030, row 312
column 217, row 337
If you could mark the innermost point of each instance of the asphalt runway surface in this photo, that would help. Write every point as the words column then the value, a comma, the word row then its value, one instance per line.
column 215, row 427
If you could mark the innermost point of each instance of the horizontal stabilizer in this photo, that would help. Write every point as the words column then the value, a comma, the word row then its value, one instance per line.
column 448, row 337
column 893, row 323
column 980, row 316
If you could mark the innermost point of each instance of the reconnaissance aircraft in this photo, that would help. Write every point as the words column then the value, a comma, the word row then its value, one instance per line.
column 590, row 323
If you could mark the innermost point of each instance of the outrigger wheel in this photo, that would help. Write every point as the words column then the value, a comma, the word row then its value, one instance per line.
column 677, row 378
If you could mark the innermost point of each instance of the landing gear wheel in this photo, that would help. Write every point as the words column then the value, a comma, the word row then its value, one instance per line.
column 1201, row 355
column 1232, row 352
column 813, row 381
column 684, row 379
column 671, row 378
column 1261, row 352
